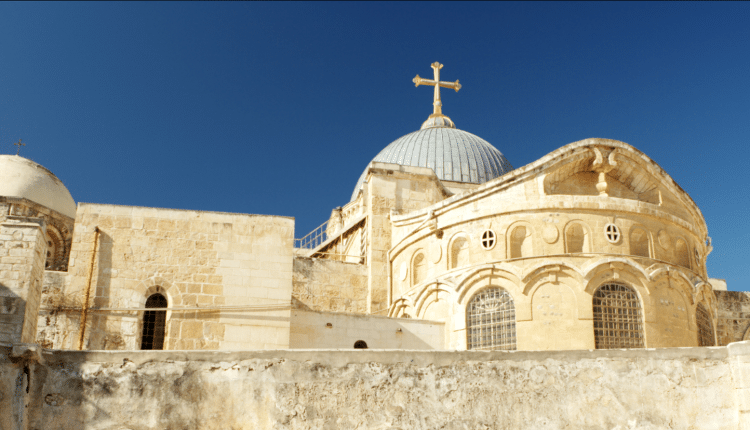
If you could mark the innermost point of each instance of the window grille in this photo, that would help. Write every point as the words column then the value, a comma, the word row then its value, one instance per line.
column 488, row 239
column 612, row 233
column 154, row 323
column 618, row 322
column 491, row 321
column 705, row 327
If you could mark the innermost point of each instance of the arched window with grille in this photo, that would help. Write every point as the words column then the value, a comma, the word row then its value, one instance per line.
column 618, row 320
column 705, row 326
column 154, row 323
column 491, row 321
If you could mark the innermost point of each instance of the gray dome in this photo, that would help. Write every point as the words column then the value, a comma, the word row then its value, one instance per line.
column 454, row 155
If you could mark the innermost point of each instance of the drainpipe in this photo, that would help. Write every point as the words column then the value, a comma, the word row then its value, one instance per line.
column 87, row 294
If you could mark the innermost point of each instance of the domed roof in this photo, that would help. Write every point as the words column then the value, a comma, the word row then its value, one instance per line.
column 20, row 177
column 454, row 155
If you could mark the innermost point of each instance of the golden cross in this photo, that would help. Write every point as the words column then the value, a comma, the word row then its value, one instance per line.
column 19, row 145
column 437, row 83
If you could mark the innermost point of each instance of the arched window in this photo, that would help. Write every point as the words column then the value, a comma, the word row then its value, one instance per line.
column 576, row 239
column 520, row 242
column 360, row 344
column 491, row 321
column 459, row 252
column 705, row 326
column 682, row 256
column 154, row 323
column 419, row 268
column 639, row 243
column 618, row 322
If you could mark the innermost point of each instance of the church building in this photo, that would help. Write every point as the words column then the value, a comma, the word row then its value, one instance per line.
column 444, row 245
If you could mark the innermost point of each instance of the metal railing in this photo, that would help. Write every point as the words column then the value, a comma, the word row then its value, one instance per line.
column 313, row 239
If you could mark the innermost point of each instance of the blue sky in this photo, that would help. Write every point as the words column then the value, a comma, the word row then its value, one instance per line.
column 276, row 108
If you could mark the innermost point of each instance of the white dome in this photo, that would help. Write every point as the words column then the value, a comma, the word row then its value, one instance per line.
column 20, row 177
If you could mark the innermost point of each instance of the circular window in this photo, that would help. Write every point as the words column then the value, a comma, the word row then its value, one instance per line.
column 612, row 233
column 488, row 239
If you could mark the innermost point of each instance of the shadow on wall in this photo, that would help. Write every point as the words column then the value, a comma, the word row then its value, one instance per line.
column 11, row 315
column 99, row 334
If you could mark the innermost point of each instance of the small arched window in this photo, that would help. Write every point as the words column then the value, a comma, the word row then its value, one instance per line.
column 459, row 252
column 520, row 242
column 360, row 344
column 618, row 322
column 419, row 268
column 491, row 321
column 682, row 256
column 576, row 239
column 639, row 243
column 154, row 323
column 705, row 326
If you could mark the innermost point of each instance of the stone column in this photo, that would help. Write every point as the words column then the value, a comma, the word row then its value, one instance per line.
column 22, row 256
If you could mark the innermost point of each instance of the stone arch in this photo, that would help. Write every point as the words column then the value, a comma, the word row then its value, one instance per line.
column 520, row 238
column 640, row 241
column 401, row 308
column 577, row 237
column 55, row 259
column 618, row 317
column 491, row 320
column 418, row 267
column 682, row 253
column 467, row 287
column 458, row 254
column 614, row 269
column 421, row 301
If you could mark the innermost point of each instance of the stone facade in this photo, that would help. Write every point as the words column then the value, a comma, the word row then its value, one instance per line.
column 201, row 261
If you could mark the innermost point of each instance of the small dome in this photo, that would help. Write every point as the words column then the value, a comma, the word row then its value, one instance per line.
column 21, row 177
column 454, row 155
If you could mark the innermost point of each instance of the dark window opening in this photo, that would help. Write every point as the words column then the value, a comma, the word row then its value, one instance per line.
column 360, row 344
column 154, row 323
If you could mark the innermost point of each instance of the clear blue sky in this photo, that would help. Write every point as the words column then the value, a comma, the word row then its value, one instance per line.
column 276, row 108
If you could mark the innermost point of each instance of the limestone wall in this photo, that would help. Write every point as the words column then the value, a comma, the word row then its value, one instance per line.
column 687, row 388
column 328, row 285
column 22, row 256
column 733, row 316
column 203, row 260
column 340, row 331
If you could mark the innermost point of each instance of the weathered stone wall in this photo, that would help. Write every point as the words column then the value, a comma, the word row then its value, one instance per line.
column 315, row 330
column 203, row 260
column 328, row 285
column 680, row 388
column 22, row 257
column 733, row 316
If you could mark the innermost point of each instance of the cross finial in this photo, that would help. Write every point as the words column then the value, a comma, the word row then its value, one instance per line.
column 19, row 145
column 437, row 119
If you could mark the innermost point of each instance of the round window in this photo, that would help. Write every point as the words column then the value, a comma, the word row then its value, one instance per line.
column 612, row 233
column 488, row 239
